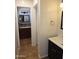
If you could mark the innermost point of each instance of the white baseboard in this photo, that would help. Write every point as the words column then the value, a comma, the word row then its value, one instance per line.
column 43, row 56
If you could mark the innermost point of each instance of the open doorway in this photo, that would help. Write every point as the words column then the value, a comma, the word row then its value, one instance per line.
column 26, row 24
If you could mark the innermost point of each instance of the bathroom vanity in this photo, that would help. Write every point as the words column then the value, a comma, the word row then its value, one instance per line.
column 24, row 22
column 25, row 32
column 55, row 47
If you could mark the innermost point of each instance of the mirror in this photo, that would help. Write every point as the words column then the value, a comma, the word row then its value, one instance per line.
column 62, row 20
column 24, row 16
column 61, row 6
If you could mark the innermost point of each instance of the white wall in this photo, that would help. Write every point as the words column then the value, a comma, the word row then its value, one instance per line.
column 35, row 2
column 24, row 3
column 33, row 26
column 49, row 10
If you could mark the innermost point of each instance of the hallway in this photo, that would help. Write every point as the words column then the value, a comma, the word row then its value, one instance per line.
column 26, row 51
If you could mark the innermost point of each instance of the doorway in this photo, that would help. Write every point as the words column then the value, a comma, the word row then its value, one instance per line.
column 28, row 49
column 24, row 22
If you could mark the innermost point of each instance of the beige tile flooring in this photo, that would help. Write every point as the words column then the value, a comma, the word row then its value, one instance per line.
column 27, row 51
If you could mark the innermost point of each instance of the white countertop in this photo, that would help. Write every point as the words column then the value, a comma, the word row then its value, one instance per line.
column 57, row 40
column 25, row 27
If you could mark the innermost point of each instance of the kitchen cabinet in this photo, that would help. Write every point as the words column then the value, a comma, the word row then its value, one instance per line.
column 54, row 51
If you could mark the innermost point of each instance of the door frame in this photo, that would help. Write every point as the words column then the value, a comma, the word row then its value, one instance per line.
column 33, row 38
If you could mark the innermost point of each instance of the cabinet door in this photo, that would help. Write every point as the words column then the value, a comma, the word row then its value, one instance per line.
column 25, row 33
column 54, row 52
column 55, row 55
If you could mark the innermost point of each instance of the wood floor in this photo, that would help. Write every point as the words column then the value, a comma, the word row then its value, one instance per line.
column 26, row 51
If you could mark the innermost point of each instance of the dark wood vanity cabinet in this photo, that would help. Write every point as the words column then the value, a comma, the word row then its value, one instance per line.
column 54, row 52
column 24, row 33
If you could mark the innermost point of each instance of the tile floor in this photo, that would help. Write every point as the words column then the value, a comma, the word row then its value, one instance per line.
column 26, row 51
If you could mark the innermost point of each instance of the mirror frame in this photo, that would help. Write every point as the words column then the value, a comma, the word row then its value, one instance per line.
column 62, row 20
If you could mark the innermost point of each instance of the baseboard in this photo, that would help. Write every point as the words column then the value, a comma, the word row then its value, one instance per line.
column 17, row 51
column 43, row 56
